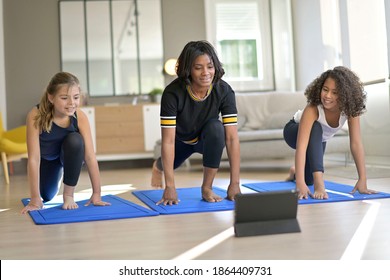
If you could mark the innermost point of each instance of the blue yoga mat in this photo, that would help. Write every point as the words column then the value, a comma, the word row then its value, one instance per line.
column 119, row 209
column 190, row 201
column 336, row 192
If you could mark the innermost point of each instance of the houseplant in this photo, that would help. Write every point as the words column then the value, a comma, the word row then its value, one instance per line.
column 156, row 94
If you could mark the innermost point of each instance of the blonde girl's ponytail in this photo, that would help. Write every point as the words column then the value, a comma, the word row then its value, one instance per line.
column 44, row 119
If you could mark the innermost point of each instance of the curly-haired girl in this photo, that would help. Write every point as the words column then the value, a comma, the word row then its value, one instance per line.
column 334, row 97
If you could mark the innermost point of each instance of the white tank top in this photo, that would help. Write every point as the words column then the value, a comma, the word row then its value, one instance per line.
column 327, row 131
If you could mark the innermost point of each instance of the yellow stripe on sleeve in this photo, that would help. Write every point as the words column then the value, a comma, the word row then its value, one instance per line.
column 230, row 120
column 168, row 122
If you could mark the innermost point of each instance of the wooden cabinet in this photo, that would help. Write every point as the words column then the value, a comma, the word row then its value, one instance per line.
column 119, row 129
column 126, row 131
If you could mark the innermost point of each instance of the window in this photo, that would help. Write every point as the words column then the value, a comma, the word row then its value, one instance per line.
column 354, row 35
column 240, row 58
column 367, row 36
column 331, row 33
column 113, row 46
column 241, row 33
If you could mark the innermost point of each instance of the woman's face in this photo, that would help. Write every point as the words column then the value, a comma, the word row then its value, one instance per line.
column 329, row 95
column 202, row 72
column 66, row 100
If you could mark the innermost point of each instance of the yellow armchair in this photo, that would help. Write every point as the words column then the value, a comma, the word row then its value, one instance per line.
column 13, row 146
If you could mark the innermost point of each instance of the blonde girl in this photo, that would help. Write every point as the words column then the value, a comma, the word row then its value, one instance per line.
column 59, row 142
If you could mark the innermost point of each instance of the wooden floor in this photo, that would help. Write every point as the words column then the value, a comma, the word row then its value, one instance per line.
column 329, row 230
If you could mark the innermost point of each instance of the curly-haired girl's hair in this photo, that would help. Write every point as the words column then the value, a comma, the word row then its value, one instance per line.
column 350, row 91
column 188, row 55
column 44, row 119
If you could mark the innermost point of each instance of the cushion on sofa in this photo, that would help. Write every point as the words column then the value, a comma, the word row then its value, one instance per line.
column 268, row 110
column 277, row 120
column 251, row 107
column 260, row 135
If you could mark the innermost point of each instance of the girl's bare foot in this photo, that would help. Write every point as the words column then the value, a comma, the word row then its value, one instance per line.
column 157, row 177
column 320, row 193
column 210, row 196
column 68, row 198
column 291, row 174
column 319, row 186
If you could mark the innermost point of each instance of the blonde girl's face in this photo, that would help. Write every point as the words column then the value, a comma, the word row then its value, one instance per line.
column 65, row 100
column 202, row 72
column 329, row 95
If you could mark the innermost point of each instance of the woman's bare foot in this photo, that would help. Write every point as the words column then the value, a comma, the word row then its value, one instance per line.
column 232, row 191
column 291, row 174
column 69, row 203
column 157, row 177
column 210, row 196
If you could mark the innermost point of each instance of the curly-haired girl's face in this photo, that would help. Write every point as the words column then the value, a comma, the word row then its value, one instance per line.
column 329, row 95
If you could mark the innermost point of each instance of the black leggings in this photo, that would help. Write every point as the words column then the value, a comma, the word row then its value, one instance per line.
column 210, row 145
column 315, row 149
column 68, row 165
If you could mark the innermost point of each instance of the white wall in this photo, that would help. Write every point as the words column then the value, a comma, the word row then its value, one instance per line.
column 387, row 11
column 3, row 104
column 375, row 123
column 328, row 33
column 283, row 45
column 308, row 46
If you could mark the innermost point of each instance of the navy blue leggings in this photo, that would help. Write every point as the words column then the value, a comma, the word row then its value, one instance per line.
column 67, row 165
column 315, row 149
column 210, row 145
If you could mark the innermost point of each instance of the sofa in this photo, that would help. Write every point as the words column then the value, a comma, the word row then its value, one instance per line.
column 261, row 119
